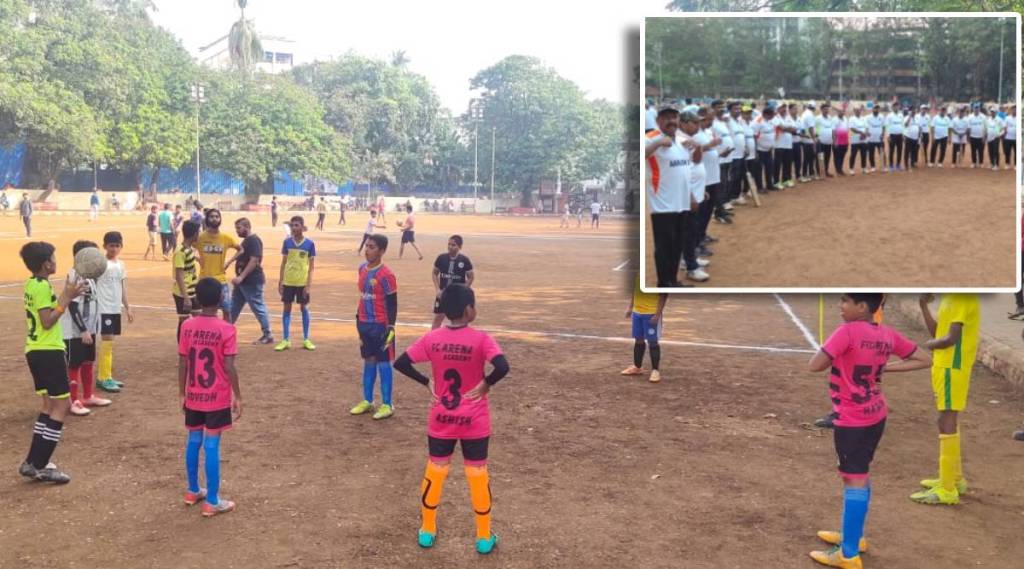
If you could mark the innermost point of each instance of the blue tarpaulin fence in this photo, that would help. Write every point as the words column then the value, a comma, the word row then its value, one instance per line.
column 12, row 159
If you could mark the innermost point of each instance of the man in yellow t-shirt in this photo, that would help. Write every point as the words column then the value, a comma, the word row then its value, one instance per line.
column 954, row 344
column 645, row 309
column 213, row 246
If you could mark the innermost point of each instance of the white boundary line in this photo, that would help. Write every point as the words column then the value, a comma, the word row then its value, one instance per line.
column 799, row 324
column 1019, row 171
column 622, row 266
column 558, row 335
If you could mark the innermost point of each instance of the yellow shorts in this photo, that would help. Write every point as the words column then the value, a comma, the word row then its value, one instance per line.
column 950, row 387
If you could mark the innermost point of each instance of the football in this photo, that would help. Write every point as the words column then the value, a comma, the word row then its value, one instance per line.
column 90, row 263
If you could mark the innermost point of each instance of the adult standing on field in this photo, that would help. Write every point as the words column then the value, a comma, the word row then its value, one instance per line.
column 212, row 246
column 450, row 268
column 166, row 224
column 94, row 205
column 25, row 210
column 249, row 280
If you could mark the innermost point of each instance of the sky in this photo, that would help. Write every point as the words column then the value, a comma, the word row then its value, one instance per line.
column 447, row 42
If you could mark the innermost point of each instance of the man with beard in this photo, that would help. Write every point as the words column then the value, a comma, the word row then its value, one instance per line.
column 212, row 246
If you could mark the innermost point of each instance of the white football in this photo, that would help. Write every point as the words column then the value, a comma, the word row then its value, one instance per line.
column 90, row 263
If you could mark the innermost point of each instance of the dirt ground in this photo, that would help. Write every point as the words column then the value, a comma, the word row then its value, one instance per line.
column 928, row 228
column 589, row 469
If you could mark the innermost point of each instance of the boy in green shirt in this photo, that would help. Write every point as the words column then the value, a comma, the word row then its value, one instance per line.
column 44, row 351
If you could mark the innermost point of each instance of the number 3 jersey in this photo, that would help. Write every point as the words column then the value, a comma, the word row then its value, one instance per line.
column 859, row 352
column 457, row 357
column 205, row 342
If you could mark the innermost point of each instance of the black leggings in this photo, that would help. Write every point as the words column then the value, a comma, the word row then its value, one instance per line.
column 840, row 155
column 977, row 151
column 861, row 149
column 895, row 146
column 874, row 148
column 810, row 161
column 1009, row 147
column 940, row 144
column 827, row 150
column 910, row 158
column 768, row 166
column 993, row 152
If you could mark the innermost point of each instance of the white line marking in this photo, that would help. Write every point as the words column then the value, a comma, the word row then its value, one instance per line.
column 622, row 266
column 799, row 324
column 565, row 335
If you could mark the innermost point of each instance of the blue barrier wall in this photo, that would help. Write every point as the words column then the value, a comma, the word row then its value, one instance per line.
column 12, row 159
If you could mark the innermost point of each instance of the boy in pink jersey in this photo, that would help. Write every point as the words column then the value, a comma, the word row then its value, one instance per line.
column 857, row 353
column 375, row 322
column 457, row 354
column 206, row 380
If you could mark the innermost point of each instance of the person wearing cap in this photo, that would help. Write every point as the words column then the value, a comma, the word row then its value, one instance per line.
column 994, row 130
column 786, row 127
column 709, row 144
column 765, row 134
column 753, row 166
column 876, row 134
column 726, row 151
column 895, row 124
column 976, row 133
column 809, row 160
column 939, row 125
column 959, row 128
column 738, row 166
column 669, row 166
column 693, row 236
column 858, row 141
column 924, row 121
column 825, row 128
column 912, row 138
column 1010, row 137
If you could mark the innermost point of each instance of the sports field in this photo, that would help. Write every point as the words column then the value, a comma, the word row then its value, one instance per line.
column 712, row 468
column 931, row 228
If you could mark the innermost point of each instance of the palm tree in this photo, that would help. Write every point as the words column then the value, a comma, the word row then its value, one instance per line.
column 244, row 43
column 399, row 59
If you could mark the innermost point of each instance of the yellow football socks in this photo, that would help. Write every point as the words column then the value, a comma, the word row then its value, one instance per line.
column 950, row 469
column 480, row 495
column 106, row 360
column 430, row 490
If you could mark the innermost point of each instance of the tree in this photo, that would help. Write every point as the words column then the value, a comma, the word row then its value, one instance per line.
column 244, row 46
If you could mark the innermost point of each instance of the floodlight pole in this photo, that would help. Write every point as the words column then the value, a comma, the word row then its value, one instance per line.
column 493, row 131
column 1001, row 39
column 198, row 98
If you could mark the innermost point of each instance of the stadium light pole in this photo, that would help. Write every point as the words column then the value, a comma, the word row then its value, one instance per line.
column 198, row 97
column 493, row 134
column 1002, row 34
column 475, row 114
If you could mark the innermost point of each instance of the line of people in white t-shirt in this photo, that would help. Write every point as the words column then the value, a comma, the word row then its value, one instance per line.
column 703, row 159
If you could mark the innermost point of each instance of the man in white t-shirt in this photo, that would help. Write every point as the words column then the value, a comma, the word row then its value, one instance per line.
column 595, row 214
column 786, row 127
column 959, row 135
column 709, row 144
column 976, row 135
column 765, row 135
column 825, row 128
column 940, row 125
column 858, row 141
column 894, row 125
column 876, row 134
column 726, row 151
column 667, row 177
column 736, row 167
column 924, row 122
column 753, row 166
column 1010, row 137
column 809, row 158
column 912, row 138
column 994, row 128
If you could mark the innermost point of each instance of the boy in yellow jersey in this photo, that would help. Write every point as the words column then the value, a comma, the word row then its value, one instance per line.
column 296, row 281
column 645, row 309
column 44, row 351
column 954, row 344
column 185, row 276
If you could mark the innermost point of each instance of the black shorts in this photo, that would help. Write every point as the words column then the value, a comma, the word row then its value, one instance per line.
column 77, row 353
column 594, row 216
column 855, row 447
column 437, row 306
column 295, row 294
column 49, row 373
column 213, row 421
column 110, row 324
column 408, row 236
column 373, row 341
column 472, row 449
column 179, row 306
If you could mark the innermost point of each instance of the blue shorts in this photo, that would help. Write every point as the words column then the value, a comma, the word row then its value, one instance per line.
column 643, row 330
column 225, row 298
column 373, row 341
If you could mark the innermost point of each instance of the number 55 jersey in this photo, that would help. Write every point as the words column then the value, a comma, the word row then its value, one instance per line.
column 457, row 357
column 859, row 352
column 205, row 342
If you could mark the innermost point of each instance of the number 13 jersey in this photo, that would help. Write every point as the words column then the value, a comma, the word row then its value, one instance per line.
column 205, row 342
column 457, row 357
column 859, row 352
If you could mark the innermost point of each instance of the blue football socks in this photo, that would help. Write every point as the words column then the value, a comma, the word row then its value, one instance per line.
column 369, row 375
column 212, row 448
column 192, row 446
column 855, row 512
column 305, row 323
column 385, row 382
column 286, row 320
